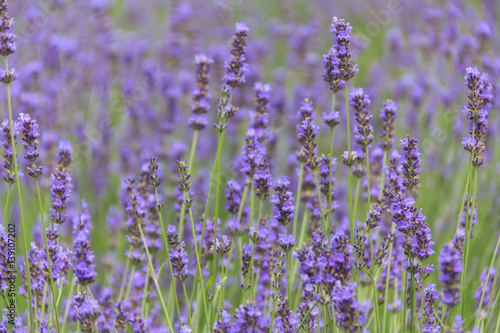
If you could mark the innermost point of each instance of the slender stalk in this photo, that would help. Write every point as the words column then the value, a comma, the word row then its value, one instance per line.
column 144, row 292
column 158, row 290
column 307, row 316
column 217, row 195
column 382, row 180
column 351, row 221
column 49, row 261
column 413, row 308
column 193, row 148
column 330, row 183
column 288, row 283
column 320, row 203
column 386, row 293
column 272, row 317
column 19, row 201
column 187, row 305
column 6, row 207
column 130, row 282
column 356, row 199
column 198, row 262
column 66, row 311
column 490, row 305
column 368, row 194
column 102, row 313
column 487, row 279
column 122, row 287
column 297, row 199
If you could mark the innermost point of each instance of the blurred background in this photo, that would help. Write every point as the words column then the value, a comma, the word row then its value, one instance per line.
column 115, row 79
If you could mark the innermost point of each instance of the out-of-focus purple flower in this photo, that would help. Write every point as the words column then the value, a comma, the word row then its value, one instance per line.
column 233, row 196
column 286, row 242
column 7, row 42
column 485, row 290
column 387, row 115
column 342, row 43
column 429, row 318
column 283, row 209
column 259, row 117
column 223, row 246
column 61, row 184
column 201, row 95
column 153, row 177
column 331, row 118
column 179, row 260
column 251, row 153
column 235, row 66
column 82, row 261
column 450, row 267
column 306, row 110
column 248, row 318
column 349, row 314
column 173, row 236
column 348, row 158
column 223, row 325
column 87, row 310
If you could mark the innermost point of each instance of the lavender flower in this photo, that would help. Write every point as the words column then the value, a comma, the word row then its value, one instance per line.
column 340, row 30
column 178, row 258
column 359, row 100
column 251, row 153
column 235, row 66
column 61, row 184
column 262, row 180
column 429, row 318
column 223, row 246
column 200, row 94
column 331, row 119
column 82, row 262
column 484, row 291
column 29, row 130
column 387, row 115
column 8, row 156
column 306, row 133
column 233, row 196
column 331, row 72
column 450, row 267
column 306, row 110
column 286, row 242
column 410, row 160
column 7, row 42
column 259, row 117
column 283, row 209
column 349, row 314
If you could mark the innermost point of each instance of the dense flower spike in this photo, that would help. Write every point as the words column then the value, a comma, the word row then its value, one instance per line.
column 61, row 184
column 331, row 72
column 331, row 119
column 429, row 316
column 29, row 130
column 8, row 173
column 349, row 314
column 342, row 43
column 7, row 41
column 259, row 117
column 410, row 160
column 82, row 261
column 235, row 66
column 388, row 115
column 476, row 112
column 307, row 133
column 450, row 267
column 359, row 100
column 200, row 94
column 262, row 180
column 283, row 201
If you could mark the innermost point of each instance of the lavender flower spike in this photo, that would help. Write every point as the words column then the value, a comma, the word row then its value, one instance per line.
column 283, row 209
column 235, row 66
column 29, row 129
column 450, row 267
column 83, row 258
column 201, row 95
column 387, row 115
column 346, row 67
column 410, row 160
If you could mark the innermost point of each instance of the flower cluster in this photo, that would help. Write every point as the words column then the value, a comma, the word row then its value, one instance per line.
column 307, row 133
column 359, row 100
column 387, row 115
column 342, row 43
column 235, row 66
column 201, row 95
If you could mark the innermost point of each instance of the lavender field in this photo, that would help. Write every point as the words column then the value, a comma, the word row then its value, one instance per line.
column 231, row 166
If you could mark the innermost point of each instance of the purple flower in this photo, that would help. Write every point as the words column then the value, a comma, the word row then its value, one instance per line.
column 349, row 314
column 345, row 66
column 331, row 72
column 283, row 209
column 29, row 130
column 484, row 291
column 410, row 160
column 286, row 242
column 82, row 261
column 429, row 318
column 307, row 133
column 306, row 110
column 331, row 119
column 450, row 267
column 251, row 153
column 259, row 117
column 262, row 180
column 388, row 115
column 223, row 246
column 233, row 196
column 235, row 66
column 359, row 100
column 8, row 156
column 178, row 258
column 200, row 94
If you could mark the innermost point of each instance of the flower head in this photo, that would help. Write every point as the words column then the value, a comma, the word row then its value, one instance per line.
column 235, row 66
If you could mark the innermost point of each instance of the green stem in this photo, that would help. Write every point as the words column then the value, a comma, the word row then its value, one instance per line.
column 368, row 194
column 330, row 181
column 272, row 317
column 49, row 261
column 187, row 305
column 307, row 316
column 20, row 203
column 413, row 308
column 6, row 207
column 288, row 283
column 382, row 178
column 158, row 290
column 130, row 282
column 386, row 293
column 193, row 148
column 66, row 311
column 297, row 199
column 217, row 195
column 144, row 293
column 356, row 199
column 320, row 203
column 198, row 262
